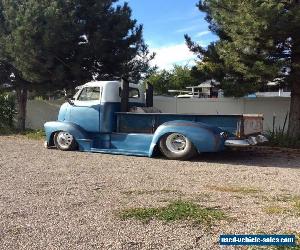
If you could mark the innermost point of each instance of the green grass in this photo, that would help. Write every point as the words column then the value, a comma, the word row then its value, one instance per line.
column 292, row 200
column 283, row 198
column 176, row 211
column 274, row 209
column 235, row 189
column 34, row 134
column 297, row 207
column 287, row 198
column 295, row 199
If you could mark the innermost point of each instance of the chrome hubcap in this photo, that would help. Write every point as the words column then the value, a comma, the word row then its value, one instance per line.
column 176, row 143
column 64, row 139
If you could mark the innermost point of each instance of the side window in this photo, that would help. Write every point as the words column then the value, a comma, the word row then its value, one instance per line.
column 133, row 93
column 89, row 94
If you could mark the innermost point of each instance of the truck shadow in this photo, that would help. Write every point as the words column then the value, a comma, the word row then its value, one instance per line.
column 260, row 157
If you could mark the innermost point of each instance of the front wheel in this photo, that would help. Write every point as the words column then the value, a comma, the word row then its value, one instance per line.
column 64, row 141
column 177, row 147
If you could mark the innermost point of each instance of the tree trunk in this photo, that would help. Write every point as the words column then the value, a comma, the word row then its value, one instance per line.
column 21, row 92
column 294, row 120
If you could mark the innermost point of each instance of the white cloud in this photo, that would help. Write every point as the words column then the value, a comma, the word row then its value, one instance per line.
column 202, row 33
column 186, row 29
column 167, row 56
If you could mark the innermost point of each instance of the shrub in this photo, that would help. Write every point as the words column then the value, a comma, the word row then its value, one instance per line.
column 7, row 111
column 282, row 139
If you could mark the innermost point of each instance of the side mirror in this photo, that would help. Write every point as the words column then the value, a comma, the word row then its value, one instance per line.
column 70, row 100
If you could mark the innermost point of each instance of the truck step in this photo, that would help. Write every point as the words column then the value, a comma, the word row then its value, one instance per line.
column 119, row 151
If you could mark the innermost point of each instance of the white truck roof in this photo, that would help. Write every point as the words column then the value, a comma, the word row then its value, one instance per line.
column 105, row 83
column 111, row 90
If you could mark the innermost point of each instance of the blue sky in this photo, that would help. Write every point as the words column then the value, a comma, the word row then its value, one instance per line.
column 165, row 23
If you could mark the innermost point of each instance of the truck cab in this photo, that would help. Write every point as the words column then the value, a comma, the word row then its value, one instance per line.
column 95, row 105
column 92, row 121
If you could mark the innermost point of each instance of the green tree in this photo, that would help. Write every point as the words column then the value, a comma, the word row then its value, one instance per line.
column 259, row 41
column 52, row 44
column 161, row 81
column 181, row 77
column 177, row 78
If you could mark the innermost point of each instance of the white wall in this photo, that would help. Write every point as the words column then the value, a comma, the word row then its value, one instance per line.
column 38, row 112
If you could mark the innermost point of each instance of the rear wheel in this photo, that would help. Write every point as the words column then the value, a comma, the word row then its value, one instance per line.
column 65, row 141
column 177, row 147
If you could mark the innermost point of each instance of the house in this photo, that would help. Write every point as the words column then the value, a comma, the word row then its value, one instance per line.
column 207, row 89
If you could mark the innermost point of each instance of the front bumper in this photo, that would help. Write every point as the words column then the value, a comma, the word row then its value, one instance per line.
column 251, row 141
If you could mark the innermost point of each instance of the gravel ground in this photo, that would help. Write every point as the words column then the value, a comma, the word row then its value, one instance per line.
column 69, row 200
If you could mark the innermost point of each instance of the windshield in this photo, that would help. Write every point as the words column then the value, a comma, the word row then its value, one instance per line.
column 77, row 93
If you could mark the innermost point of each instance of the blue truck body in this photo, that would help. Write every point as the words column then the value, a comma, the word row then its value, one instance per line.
column 97, row 125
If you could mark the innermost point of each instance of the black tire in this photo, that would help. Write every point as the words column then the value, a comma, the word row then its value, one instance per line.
column 64, row 141
column 185, row 151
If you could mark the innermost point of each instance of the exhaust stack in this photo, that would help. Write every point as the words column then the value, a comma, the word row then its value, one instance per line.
column 149, row 95
column 124, row 95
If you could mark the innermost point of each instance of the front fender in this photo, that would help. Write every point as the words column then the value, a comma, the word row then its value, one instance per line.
column 75, row 130
column 204, row 137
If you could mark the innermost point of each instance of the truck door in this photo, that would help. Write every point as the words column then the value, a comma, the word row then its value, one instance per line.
column 86, row 109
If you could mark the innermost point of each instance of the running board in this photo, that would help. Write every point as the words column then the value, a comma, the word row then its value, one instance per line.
column 119, row 152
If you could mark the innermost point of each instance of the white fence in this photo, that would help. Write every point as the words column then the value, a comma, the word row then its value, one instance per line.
column 269, row 106
column 38, row 112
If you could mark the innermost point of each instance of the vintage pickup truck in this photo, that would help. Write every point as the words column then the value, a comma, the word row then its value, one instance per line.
column 92, row 121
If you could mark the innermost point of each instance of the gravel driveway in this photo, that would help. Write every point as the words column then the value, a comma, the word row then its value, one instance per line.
column 70, row 200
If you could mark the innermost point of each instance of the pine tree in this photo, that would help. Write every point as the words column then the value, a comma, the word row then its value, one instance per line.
column 54, row 44
column 259, row 41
